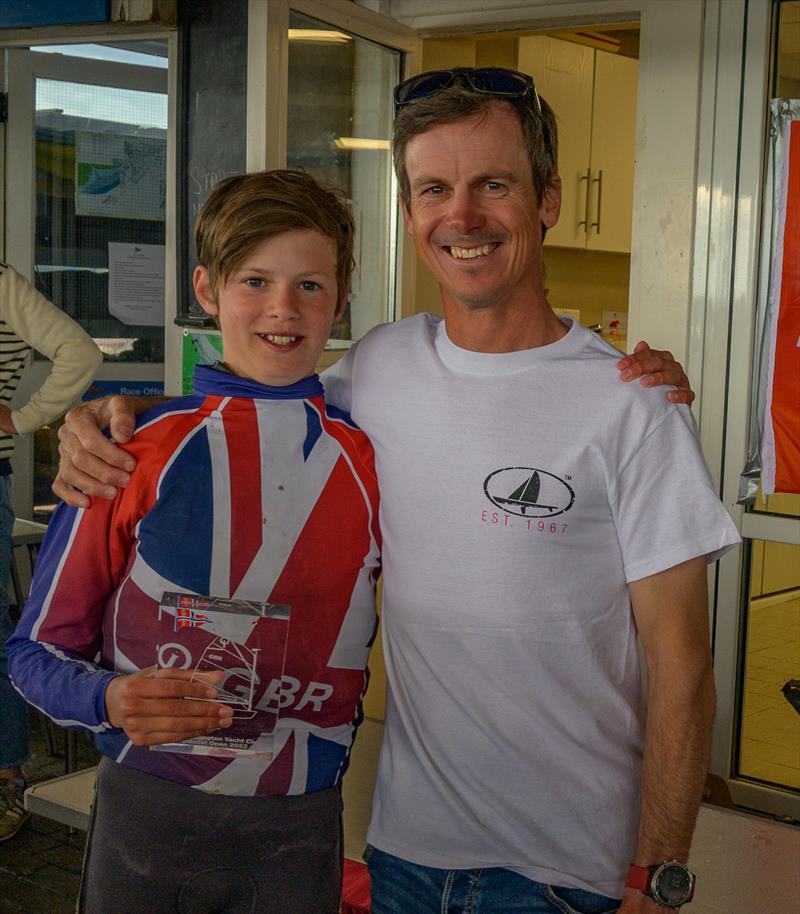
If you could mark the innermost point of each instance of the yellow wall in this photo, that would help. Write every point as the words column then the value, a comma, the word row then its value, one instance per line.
column 587, row 280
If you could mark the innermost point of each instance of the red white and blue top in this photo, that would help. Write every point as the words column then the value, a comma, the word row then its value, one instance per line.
column 241, row 491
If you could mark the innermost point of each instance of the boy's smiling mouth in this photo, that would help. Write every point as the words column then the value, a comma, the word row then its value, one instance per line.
column 280, row 340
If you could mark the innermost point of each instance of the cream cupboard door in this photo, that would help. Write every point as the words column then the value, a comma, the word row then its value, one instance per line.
column 613, row 153
column 563, row 75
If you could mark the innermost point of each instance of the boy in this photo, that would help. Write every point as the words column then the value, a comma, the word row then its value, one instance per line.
column 160, row 577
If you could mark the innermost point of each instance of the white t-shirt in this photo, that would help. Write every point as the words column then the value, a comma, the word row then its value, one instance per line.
column 520, row 493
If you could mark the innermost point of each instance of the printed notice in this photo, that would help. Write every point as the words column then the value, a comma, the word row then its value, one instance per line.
column 136, row 283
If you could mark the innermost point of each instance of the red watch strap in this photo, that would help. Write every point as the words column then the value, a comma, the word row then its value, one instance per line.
column 639, row 878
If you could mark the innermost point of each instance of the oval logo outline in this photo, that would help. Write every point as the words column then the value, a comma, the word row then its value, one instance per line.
column 524, row 496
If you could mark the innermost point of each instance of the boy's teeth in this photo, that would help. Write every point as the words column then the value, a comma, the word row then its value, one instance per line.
column 469, row 253
column 280, row 340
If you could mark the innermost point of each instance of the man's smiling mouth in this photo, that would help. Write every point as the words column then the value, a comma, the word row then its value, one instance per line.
column 470, row 253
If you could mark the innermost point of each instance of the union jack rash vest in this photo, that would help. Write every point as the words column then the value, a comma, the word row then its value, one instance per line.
column 242, row 492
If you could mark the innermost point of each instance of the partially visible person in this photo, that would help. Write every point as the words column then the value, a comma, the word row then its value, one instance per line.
column 251, row 491
column 28, row 321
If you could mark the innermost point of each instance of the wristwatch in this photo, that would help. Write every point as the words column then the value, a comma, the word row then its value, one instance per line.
column 669, row 884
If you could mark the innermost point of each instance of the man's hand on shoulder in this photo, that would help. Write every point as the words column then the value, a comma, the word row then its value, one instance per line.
column 655, row 367
column 91, row 464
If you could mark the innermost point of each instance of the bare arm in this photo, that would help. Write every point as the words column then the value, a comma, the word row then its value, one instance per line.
column 91, row 464
column 671, row 614
column 654, row 367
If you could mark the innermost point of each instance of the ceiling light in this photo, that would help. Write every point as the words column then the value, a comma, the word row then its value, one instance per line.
column 358, row 142
column 320, row 35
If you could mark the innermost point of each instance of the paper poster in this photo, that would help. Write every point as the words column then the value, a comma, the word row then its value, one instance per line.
column 120, row 176
column 781, row 441
column 136, row 283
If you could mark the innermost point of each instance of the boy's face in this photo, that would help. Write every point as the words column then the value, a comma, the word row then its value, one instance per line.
column 276, row 309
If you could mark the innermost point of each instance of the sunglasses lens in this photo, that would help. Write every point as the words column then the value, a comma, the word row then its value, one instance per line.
column 421, row 86
column 503, row 82
column 491, row 80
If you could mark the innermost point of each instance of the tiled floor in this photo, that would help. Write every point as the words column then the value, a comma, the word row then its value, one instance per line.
column 40, row 867
column 771, row 731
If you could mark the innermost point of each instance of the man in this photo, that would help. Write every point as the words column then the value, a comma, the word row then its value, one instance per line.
column 28, row 321
column 531, row 526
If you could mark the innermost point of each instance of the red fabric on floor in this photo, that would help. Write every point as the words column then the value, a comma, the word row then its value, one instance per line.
column 355, row 888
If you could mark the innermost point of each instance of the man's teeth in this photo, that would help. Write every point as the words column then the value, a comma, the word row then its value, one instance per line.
column 469, row 253
column 280, row 340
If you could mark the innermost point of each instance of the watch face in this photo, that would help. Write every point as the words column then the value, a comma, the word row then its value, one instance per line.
column 672, row 885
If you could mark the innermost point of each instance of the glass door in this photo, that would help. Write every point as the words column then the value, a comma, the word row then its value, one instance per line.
column 757, row 606
column 767, row 749
column 339, row 129
column 85, row 217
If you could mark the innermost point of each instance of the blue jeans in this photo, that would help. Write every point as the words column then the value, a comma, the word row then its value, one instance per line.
column 400, row 887
column 13, row 710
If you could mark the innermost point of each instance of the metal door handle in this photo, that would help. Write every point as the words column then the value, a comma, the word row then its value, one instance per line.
column 599, row 181
column 585, row 221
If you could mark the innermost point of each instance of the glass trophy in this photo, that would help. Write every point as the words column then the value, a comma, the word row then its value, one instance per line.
column 246, row 641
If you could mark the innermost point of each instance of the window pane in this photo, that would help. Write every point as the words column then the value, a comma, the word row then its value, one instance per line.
column 770, row 724
column 100, row 178
column 340, row 117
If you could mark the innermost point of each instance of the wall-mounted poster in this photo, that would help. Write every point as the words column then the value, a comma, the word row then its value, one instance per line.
column 120, row 176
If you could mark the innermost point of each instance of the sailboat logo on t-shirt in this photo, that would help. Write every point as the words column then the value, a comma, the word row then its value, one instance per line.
column 528, row 492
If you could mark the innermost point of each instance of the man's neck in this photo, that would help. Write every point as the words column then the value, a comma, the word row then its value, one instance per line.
column 502, row 328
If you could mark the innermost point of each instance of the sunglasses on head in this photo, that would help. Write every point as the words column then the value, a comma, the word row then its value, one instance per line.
column 490, row 80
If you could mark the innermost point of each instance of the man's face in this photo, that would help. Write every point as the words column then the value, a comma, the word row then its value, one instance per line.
column 473, row 211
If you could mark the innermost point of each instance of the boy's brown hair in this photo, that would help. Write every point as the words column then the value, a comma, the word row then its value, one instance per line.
column 244, row 210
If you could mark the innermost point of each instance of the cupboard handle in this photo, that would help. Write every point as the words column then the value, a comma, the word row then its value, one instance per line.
column 585, row 221
column 599, row 181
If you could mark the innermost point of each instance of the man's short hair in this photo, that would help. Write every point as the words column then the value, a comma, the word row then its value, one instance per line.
column 245, row 210
column 458, row 101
